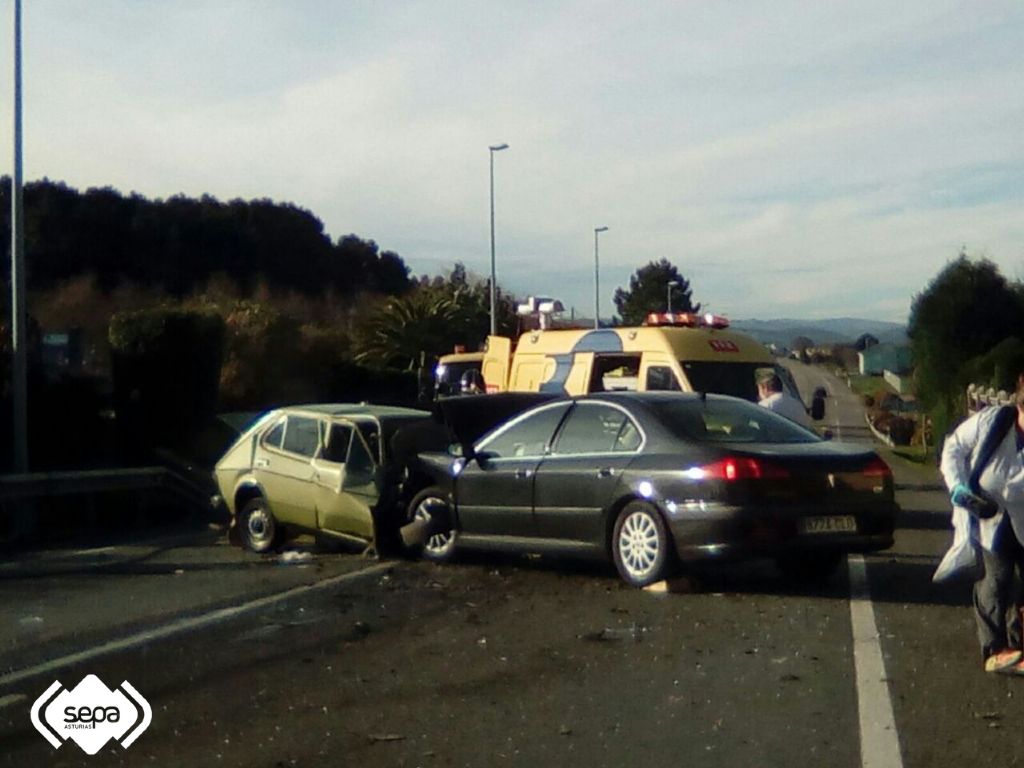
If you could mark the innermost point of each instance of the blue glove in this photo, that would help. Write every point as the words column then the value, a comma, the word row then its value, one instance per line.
column 977, row 504
column 961, row 496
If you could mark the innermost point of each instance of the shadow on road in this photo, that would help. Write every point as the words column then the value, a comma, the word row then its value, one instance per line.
column 924, row 520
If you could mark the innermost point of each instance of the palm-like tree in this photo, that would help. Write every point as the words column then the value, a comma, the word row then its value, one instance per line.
column 398, row 332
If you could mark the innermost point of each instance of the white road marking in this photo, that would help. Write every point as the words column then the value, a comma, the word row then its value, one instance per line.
column 879, row 741
column 12, row 698
column 94, row 551
column 184, row 625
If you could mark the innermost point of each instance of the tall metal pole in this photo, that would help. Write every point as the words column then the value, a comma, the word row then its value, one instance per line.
column 597, row 279
column 494, row 276
column 668, row 298
column 19, row 365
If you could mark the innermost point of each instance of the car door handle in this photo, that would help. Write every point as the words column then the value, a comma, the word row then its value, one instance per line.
column 606, row 472
column 522, row 474
column 262, row 462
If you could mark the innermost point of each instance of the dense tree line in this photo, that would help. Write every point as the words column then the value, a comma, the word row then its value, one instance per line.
column 965, row 327
column 178, row 244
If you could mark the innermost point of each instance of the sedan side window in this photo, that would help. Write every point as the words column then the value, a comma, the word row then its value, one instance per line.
column 301, row 436
column 527, row 437
column 593, row 428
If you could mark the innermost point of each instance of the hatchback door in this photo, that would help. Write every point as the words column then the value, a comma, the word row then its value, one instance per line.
column 283, row 465
column 346, row 476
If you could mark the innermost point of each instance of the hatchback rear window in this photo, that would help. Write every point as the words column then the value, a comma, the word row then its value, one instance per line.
column 725, row 420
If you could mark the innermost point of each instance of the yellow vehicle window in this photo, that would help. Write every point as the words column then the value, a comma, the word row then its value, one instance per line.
column 336, row 444
column 661, row 378
column 359, row 466
column 301, row 436
column 723, row 378
column 272, row 439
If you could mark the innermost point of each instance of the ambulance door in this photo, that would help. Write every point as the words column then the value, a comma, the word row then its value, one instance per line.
column 496, row 363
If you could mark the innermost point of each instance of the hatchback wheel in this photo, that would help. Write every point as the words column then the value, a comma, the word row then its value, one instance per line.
column 641, row 545
column 440, row 547
column 260, row 531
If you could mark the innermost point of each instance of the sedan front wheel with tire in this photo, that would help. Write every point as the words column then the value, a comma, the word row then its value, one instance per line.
column 431, row 503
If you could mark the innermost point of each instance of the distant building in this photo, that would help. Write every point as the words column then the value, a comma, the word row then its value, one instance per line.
column 877, row 359
column 864, row 341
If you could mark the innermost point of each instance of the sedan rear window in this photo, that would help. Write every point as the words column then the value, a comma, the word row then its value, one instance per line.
column 727, row 420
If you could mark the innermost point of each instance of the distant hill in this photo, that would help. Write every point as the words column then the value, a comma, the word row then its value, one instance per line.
column 839, row 330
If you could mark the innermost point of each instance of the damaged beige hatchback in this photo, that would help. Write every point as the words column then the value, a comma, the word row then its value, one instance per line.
column 321, row 469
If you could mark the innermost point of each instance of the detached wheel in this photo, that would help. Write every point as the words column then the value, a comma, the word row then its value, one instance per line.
column 428, row 503
column 641, row 545
column 260, row 531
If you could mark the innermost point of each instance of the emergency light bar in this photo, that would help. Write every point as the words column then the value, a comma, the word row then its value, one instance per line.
column 686, row 320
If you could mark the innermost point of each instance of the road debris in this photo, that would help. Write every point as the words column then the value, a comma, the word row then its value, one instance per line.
column 294, row 557
column 633, row 632
column 676, row 586
column 377, row 737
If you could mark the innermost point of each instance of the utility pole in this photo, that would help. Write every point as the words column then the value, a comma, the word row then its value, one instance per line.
column 19, row 365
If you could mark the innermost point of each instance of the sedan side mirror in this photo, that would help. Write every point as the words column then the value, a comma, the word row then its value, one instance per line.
column 482, row 457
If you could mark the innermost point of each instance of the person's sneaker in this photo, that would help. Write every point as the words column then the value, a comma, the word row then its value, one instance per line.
column 1004, row 661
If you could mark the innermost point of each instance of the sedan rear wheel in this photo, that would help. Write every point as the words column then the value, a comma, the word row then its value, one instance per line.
column 260, row 531
column 440, row 547
column 641, row 545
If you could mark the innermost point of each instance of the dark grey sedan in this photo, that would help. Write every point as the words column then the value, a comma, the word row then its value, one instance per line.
column 651, row 479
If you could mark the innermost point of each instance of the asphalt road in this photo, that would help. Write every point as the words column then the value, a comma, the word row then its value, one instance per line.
column 509, row 660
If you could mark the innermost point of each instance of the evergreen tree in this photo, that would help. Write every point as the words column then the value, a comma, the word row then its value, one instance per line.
column 649, row 289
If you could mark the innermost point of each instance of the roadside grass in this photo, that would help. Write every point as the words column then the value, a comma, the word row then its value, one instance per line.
column 868, row 385
column 915, row 454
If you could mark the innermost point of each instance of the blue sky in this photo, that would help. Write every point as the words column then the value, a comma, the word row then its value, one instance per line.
column 793, row 159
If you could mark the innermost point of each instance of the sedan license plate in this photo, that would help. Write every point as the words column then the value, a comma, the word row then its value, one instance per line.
column 829, row 524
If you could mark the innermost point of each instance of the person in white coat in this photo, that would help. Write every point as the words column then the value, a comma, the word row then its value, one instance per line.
column 998, row 512
column 772, row 396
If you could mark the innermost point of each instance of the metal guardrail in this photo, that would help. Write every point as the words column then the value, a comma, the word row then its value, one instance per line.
column 84, row 482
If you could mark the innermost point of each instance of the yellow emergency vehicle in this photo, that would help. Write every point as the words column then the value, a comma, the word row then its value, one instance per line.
column 458, row 373
column 680, row 351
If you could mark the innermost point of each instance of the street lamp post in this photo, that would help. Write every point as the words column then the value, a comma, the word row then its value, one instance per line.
column 494, row 277
column 668, row 302
column 19, row 349
column 597, row 279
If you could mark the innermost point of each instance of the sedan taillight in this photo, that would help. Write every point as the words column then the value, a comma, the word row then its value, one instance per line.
column 877, row 468
column 738, row 468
